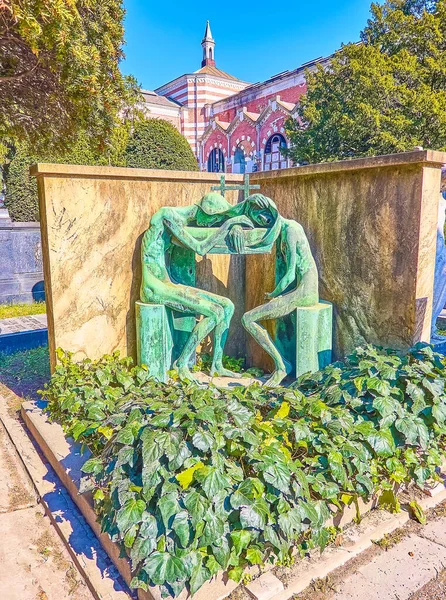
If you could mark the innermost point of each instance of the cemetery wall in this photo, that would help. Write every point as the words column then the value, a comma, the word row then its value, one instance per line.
column 371, row 224
column 21, row 274
column 92, row 220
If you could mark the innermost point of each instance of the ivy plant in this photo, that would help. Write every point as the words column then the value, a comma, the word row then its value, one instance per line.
column 191, row 480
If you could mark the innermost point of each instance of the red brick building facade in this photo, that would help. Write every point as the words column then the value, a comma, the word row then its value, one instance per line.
column 231, row 125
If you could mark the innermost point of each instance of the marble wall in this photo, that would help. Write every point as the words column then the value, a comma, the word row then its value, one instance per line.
column 92, row 221
column 371, row 224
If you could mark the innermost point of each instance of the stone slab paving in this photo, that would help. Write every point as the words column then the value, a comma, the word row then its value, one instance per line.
column 397, row 573
column 28, row 323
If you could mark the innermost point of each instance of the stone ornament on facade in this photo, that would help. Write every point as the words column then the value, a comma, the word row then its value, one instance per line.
column 168, row 331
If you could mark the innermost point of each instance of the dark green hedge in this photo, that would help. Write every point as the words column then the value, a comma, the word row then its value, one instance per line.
column 153, row 144
column 156, row 144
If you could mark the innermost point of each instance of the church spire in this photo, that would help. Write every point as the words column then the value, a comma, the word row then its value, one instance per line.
column 208, row 45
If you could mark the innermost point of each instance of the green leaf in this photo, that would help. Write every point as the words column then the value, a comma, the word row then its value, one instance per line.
column 168, row 506
column 335, row 462
column 130, row 514
column 181, row 527
column 250, row 489
column 382, row 442
column 92, row 465
column 186, row 477
column 141, row 549
column 203, row 440
column 382, row 387
column 240, row 540
column 278, row 475
column 214, row 481
column 197, row 505
column 417, row 512
column 254, row 555
column 290, row 522
column 162, row 567
column 199, row 576
column 214, row 528
column 236, row 574
column 255, row 515
column 385, row 405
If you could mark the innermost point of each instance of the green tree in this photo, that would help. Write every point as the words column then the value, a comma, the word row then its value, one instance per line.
column 386, row 94
column 59, row 70
column 21, row 189
column 150, row 144
column 157, row 144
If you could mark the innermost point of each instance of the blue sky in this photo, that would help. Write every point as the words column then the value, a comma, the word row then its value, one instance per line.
column 254, row 40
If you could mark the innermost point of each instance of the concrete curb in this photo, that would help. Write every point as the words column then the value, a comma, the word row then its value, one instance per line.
column 64, row 456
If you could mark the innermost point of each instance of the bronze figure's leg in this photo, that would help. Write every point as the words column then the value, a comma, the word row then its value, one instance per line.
column 278, row 307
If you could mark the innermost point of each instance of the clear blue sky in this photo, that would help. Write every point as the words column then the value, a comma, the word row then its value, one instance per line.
column 254, row 40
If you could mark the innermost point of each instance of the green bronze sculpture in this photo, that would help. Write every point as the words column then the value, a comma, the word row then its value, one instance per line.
column 297, row 287
column 170, row 225
column 302, row 323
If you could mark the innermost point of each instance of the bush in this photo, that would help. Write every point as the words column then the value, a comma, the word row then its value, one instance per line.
column 156, row 144
column 192, row 480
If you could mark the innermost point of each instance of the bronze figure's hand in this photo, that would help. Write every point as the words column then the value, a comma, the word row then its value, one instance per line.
column 237, row 239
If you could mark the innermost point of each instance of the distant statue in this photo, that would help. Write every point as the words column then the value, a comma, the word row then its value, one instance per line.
column 439, row 297
column 158, row 287
column 298, row 287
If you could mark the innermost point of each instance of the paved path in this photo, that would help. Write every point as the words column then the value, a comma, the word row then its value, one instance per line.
column 34, row 563
column 16, row 324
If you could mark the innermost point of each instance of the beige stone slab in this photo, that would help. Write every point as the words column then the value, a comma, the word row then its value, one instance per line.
column 397, row 573
column 41, row 569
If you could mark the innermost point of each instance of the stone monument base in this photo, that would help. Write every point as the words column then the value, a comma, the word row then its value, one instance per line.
column 160, row 336
column 304, row 337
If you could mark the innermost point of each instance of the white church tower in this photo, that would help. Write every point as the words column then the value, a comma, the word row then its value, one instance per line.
column 208, row 45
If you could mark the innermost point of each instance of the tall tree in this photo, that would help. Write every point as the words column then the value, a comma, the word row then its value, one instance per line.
column 385, row 94
column 59, row 70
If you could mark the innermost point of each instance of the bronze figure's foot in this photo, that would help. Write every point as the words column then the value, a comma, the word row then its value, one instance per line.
column 184, row 373
column 220, row 371
column 279, row 375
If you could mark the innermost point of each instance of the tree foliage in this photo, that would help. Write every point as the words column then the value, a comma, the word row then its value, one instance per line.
column 59, row 70
column 153, row 144
column 192, row 480
column 157, row 144
column 386, row 94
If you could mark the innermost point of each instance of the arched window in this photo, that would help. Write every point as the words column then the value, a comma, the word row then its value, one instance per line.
column 216, row 161
column 273, row 158
column 239, row 161
column 210, row 53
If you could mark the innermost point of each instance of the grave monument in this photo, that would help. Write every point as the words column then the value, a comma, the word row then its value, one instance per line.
column 168, row 331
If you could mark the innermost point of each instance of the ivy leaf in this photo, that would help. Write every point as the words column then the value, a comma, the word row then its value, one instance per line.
column 222, row 552
column 254, row 555
column 381, row 386
column 203, row 440
column 439, row 413
column 385, row 405
column 214, row 481
column 180, row 525
column 197, row 505
column 186, row 477
column 141, row 549
column 278, row 475
column 240, row 540
column 168, row 506
column 241, row 414
column 382, row 442
column 255, row 515
column 290, row 522
column 199, row 576
column 92, row 465
column 335, row 462
column 250, row 489
column 162, row 567
column 214, row 528
column 130, row 514
column 366, row 482
column 235, row 574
